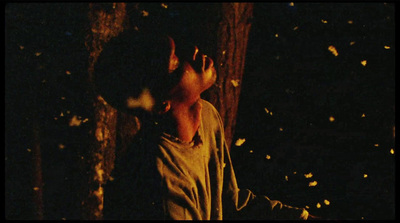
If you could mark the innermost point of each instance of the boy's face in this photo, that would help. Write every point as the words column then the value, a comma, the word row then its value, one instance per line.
column 196, row 73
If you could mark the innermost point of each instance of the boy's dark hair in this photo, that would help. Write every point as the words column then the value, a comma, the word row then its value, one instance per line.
column 133, row 63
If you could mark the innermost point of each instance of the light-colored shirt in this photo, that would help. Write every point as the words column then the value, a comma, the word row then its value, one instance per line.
column 193, row 181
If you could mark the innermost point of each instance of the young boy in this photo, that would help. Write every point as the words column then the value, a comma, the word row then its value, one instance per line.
column 179, row 166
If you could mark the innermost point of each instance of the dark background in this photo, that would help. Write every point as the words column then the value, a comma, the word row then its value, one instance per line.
column 292, row 74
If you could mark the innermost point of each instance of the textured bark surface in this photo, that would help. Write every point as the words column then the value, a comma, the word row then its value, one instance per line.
column 233, row 34
column 107, row 21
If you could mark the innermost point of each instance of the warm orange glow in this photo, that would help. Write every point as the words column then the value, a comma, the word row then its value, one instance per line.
column 196, row 50
column 364, row 63
column 74, row 121
column 333, row 50
column 240, row 142
column 318, row 205
column 164, row 5
column 387, row 47
column 376, row 145
column 145, row 101
column 145, row 13
column 286, row 178
column 324, row 21
column 68, row 72
column 363, row 115
column 38, row 54
column 365, row 175
column 99, row 194
column 61, row 146
column 352, row 43
column 36, row 188
column 391, row 151
column 331, row 119
column 350, row 22
column 99, row 172
column 268, row 157
column 308, row 175
column 313, row 184
column 235, row 83
column 21, row 47
column 327, row 202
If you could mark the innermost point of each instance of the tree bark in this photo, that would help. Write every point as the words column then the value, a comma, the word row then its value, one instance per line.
column 232, row 38
column 107, row 21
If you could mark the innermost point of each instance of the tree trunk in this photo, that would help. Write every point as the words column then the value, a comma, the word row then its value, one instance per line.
column 107, row 21
column 232, row 37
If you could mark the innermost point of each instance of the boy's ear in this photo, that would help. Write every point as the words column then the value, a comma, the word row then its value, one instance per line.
column 164, row 107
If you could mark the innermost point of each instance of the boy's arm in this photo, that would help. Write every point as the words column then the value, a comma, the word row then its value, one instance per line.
column 244, row 204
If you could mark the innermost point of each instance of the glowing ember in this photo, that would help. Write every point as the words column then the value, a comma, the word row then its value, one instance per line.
column 313, row 184
column 145, row 101
column 308, row 175
column 333, row 50
column 74, row 121
column 145, row 13
column 331, row 119
column 364, row 63
column 240, row 142
column 235, row 83
column 326, row 202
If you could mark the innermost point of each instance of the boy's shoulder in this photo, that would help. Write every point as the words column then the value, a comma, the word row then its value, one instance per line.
column 210, row 114
column 208, row 108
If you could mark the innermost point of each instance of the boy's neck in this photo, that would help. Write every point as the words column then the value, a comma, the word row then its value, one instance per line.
column 186, row 120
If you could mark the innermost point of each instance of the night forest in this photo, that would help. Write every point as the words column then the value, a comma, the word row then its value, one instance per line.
column 315, row 120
